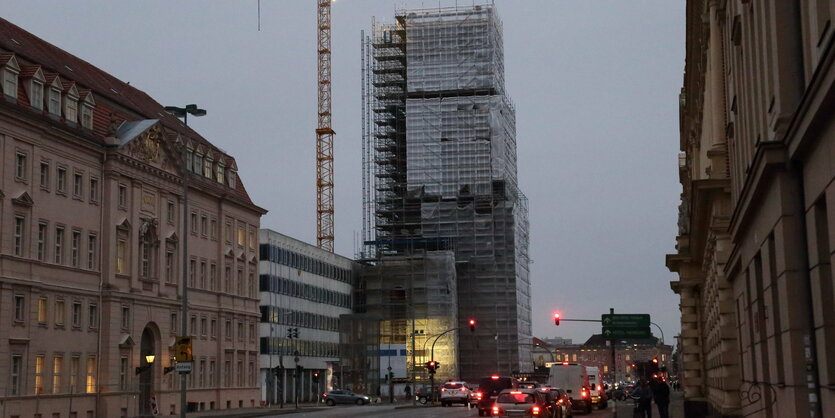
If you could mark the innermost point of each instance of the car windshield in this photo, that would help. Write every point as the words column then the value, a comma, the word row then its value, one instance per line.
column 453, row 386
column 515, row 398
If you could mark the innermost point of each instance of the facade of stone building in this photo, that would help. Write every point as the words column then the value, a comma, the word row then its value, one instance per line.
column 628, row 352
column 755, row 239
column 92, row 231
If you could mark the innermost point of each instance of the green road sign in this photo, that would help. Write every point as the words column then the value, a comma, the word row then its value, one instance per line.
column 622, row 332
column 625, row 320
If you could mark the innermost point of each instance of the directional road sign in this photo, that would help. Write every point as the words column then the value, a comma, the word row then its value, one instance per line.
column 625, row 320
column 183, row 367
column 637, row 332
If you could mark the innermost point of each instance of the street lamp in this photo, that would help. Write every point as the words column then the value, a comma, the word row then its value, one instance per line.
column 183, row 112
column 149, row 362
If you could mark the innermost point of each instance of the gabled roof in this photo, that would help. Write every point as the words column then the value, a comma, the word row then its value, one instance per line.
column 31, row 71
column 10, row 60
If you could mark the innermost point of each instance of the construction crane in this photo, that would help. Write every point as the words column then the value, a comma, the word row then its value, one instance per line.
column 324, row 132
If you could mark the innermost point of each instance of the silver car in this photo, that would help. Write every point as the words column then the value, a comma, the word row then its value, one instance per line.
column 521, row 403
column 334, row 397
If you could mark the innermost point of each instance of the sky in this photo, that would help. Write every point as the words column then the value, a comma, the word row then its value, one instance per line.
column 595, row 84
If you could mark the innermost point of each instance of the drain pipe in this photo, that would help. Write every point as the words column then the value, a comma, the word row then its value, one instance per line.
column 101, row 281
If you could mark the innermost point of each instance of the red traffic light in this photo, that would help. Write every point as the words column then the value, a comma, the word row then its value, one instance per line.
column 472, row 325
column 557, row 319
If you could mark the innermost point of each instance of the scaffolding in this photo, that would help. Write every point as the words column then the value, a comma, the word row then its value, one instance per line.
column 439, row 163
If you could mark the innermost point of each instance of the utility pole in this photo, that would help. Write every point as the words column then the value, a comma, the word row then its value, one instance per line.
column 614, row 367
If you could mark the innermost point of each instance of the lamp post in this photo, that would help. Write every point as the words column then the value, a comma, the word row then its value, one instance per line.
column 183, row 112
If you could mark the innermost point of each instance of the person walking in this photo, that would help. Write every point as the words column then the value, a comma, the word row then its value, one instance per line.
column 661, row 395
column 643, row 396
column 408, row 391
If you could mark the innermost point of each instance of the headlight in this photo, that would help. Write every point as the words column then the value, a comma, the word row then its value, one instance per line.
column 365, row 397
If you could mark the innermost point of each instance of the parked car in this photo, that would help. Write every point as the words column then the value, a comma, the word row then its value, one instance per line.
column 521, row 402
column 454, row 392
column 334, row 397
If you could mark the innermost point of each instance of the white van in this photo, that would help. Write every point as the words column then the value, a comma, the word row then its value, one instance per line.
column 573, row 379
column 598, row 394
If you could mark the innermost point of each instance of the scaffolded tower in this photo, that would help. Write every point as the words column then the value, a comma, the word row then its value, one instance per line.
column 440, row 169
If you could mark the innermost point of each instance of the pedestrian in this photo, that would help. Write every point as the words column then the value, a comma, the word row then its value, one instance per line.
column 643, row 396
column 408, row 391
column 661, row 395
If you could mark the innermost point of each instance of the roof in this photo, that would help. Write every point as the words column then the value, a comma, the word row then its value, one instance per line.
column 16, row 40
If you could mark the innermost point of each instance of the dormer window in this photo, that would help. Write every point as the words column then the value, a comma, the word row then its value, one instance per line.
column 189, row 159
column 87, row 106
column 207, row 167
column 34, row 85
column 232, row 178
column 10, row 73
column 198, row 163
column 54, row 87
column 220, row 171
column 70, row 99
column 36, row 94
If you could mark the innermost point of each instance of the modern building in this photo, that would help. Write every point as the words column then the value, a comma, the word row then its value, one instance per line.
column 755, row 240
column 440, row 170
column 93, row 227
column 304, row 291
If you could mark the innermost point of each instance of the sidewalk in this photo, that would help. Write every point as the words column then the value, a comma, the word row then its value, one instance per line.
column 625, row 408
column 275, row 410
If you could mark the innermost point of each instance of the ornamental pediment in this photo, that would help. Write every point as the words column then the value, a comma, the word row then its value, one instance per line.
column 23, row 199
column 148, row 142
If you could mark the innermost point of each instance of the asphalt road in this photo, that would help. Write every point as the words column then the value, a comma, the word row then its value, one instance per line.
column 352, row 411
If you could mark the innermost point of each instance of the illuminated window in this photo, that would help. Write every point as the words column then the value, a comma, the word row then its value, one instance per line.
column 57, row 362
column 91, row 375
column 42, row 310
column 39, row 363
column 121, row 252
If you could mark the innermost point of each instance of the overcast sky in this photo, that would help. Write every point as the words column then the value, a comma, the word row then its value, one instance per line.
column 595, row 83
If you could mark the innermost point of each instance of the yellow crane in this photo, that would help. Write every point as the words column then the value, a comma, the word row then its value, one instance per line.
column 324, row 131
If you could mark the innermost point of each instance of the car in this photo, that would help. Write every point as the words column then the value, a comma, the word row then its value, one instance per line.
column 564, row 407
column 521, row 403
column 454, row 392
column 334, row 397
column 489, row 388
column 424, row 394
column 572, row 378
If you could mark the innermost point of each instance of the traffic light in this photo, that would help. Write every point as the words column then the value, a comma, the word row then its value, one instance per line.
column 432, row 366
column 557, row 319
column 472, row 325
column 315, row 377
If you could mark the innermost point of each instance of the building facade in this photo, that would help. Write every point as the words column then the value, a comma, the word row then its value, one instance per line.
column 92, row 232
column 755, row 239
column 440, row 169
column 596, row 352
column 304, row 290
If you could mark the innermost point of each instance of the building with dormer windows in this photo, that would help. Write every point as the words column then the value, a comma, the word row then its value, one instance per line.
column 93, row 224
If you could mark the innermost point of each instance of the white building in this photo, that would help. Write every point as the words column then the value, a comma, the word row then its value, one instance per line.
column 303, row 291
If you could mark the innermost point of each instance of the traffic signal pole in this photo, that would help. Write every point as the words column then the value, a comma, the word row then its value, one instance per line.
column 614, row 368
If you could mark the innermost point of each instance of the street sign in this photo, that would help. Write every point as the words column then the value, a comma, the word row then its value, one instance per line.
column 625, row 320
column 182, row 350
column 184, row 367
column 636, row 332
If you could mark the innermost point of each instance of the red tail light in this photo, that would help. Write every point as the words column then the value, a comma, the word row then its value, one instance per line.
column 535, row 410
column 559, row 402
column 584, row 393
column 496, row 410
column 479, row 395
column 494, row 377
column 599, row 388
column 443, row 389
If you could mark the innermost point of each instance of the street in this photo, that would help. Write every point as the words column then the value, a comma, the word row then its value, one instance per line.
column 408, row 412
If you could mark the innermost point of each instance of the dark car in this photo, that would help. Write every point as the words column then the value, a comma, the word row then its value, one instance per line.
column 334, row 397
column 564, row 407
column 489, row 387
column 521, row 403
column 424, row 394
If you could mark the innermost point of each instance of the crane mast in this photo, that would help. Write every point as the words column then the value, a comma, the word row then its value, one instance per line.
column 324, row 132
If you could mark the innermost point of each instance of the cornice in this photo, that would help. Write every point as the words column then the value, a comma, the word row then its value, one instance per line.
column 768, row 158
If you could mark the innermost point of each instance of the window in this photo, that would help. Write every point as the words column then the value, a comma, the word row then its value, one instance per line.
column 125, row 317
column 93, row 316
column 173, row 324
column 75, row 243
column 121, row 251
column 42, row 231
column 170, row 276
column 59, row 312
column 202, row 274
column 55, row 101
column 36, row 99
column 228, row 329
column 61, row 185
column 203, row 327
column 19, row 234
column 57, row 362
column 71, row 108
column 251, row 240
column 42, row 310
column 16, row 369
column 211, row 377
column 76, row 314
column 227, row 373
column 213, row 328
column 39, row 360
column 59, row 244
column 87, row 115
column 251, row 287
column 171, row 213
column 227, row 280
column 10, row 82
column 252, row 335
column 123, row 373
column 92, row 251
column 240, row 373
column 240, row 331
column 123, row 196
column 207, row 167
column 91, row 374
column 219, row 173
column 197, row 163
column 94, row 190
column 204, row 225
column 145, row 259
column 77, row 185
column 241, row 236
column 229, row 232
column 44, row 175
column 193, row 326
column 240, row 282
column 194, row 223
column 233, row 178
column 213, row 277
column 213, row 229
column 19, row 308
column 192, row 268
column 75, row 365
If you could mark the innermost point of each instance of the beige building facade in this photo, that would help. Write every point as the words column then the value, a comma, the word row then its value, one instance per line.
column 755, row 240
column 92, row 232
